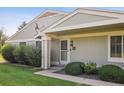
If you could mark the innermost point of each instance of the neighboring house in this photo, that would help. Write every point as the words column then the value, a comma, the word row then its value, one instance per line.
column 81, row 36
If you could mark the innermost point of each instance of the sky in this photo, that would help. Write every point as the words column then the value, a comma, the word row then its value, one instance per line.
column 12, row 17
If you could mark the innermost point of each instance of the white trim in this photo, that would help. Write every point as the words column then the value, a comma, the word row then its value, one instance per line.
column 69, row 52
column 108, row 47
column 114, row 59
column 46, row 53
column 42, row 53
column 101, row 12
column 119, row 60
column 24, row 40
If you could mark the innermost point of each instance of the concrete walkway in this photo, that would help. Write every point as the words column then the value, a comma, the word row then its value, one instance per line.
column 50, row 73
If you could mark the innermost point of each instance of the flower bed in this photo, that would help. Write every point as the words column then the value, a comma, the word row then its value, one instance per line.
column 110, row 73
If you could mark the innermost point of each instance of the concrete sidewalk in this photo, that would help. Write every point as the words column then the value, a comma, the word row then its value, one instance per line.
column 50, row 73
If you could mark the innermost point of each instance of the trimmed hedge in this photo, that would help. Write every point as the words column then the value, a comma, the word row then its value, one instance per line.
column 7, row 53
column 19, row 54
column 111, row 73
column 33, row 55
column 27, row 55
column 74, row 68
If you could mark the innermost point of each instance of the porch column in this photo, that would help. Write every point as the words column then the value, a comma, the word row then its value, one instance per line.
column 46, row 52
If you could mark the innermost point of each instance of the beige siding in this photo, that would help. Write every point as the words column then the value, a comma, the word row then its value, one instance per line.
column 93, row 49
column 55, row 51
column 47, row 21
column 90, row 49
column 81, row 18
column 28, row 43
column 29, row 31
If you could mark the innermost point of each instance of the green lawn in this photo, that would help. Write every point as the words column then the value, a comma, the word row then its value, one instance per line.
column 11, row 75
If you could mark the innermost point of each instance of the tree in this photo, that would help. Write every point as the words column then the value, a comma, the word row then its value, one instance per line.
column 22, row 25
column 3, row 36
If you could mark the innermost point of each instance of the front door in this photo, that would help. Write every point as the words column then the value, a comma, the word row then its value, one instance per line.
column 64, row 51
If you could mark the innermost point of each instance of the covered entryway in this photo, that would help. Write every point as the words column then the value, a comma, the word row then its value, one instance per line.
column 82, row 45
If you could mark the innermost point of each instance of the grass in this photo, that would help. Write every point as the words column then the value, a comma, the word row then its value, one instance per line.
column 1, row 58
column 11, row 75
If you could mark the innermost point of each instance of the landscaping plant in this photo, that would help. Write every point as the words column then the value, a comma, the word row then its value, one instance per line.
column 111, row 73
column 74, row 68
column 33, row 55
column 7, row 53
column 19, row 54
column 90, row 68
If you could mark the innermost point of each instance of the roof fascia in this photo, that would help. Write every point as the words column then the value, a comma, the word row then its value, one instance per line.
column 106, row 22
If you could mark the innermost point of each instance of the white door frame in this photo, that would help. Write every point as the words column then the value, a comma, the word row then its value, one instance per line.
column 68, row 52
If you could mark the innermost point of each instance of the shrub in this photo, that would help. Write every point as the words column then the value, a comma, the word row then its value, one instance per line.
column 90, row 68
column 74, row 68
column 33, row 55
column 19, row 54
column 7, row 53
column 111, row 73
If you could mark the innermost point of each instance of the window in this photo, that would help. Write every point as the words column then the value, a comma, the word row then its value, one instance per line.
column 117, row 48
column 23, row 43
column 64, row 45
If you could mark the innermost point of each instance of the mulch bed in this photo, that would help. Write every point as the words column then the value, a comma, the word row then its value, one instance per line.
column 95, row 77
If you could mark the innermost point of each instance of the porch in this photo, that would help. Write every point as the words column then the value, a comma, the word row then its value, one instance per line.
column 79, row 45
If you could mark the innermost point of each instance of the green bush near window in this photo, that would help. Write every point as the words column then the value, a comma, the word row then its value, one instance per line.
column 74, row 68
column 7, row 53
column 22, row 55
column 111, row 73
column 90, row 68
column 19, row 54
column 33, row 55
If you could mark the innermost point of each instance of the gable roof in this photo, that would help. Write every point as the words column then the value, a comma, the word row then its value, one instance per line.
column 102, row 10
column 67, row 23
column 32, row 33
column 60, row 21
column 47, row 14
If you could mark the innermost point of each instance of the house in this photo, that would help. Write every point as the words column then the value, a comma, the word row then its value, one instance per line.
column 83, row 35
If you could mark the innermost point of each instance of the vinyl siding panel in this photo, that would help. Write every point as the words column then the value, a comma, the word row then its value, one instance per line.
column 90, row 49
column 81, row 18
column 47, row 21
column 94, row 49
column 28, row 33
